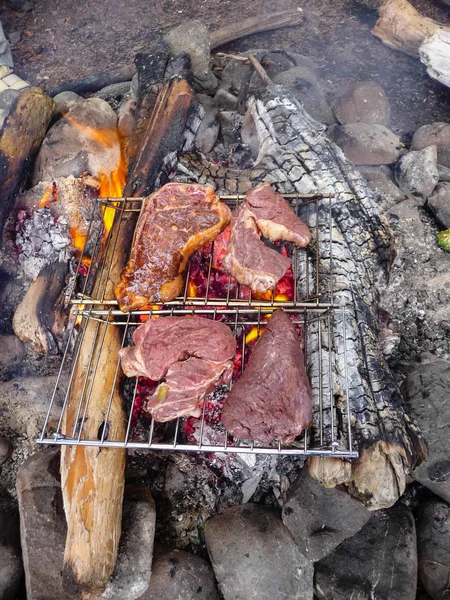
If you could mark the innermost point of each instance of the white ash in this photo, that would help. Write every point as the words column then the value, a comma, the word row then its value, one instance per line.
column 43, row 240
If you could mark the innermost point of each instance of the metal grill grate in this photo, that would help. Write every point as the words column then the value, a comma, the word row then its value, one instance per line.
column 310, row 307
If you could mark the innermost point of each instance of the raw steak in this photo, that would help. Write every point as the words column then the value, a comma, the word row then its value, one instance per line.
column 175, row 222
column 191, row 354
column 248, row 259
column 272, row 399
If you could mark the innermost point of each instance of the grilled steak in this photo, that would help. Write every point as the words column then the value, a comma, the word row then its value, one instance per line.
column 275, row 218
column 249, row 261
column 272, row 399
column 175, row 221
column 192, row 355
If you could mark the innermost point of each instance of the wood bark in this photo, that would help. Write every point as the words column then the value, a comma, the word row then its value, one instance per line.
column 93, row 477
column 20, row 137
column 401, row 27
column 435, row 55
column 40, row 318
column 96, row 82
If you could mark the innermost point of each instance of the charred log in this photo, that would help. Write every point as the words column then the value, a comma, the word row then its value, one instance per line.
column 20, row 137
column 93, row 478
column 93, row 83
column 435, row 55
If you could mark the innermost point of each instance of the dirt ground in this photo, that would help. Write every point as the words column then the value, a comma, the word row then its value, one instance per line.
column 63, row 40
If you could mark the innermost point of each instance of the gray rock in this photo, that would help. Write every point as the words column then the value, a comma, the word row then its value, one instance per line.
column 42, row 526
column 11, row 569
column 180, row 575
column 64, row 102
column 378, row 563
column 43, row 534
column 3, row 115
column 114, row 92
column 12, row 350
column 444, row 173
column 224, row 100
column 249, row 134
column 209, row 128
column 366, row 144
column 365, row 102
column 126, row 114
column 427, row 392
column 434, row 134
column 254, row 556
column 230, row 127
column 15, row 37
column 5, row 449
column 7, row 97
column 319, row 519
column 193, row 37
column 433, row 547
column 302, row 82
column 381, row 180
column 439, row 204
column 416, row 173
column 72, row 147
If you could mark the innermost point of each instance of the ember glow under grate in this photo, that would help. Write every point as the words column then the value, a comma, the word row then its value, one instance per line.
column 305, row 293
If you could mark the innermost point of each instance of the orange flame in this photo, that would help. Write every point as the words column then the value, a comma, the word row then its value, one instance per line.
column 252, row 335
column 281, row 297
column 79, row 318
column 144, row 318
column 46, row 196
column 192, row 290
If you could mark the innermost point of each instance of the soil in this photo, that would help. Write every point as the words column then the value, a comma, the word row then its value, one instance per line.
column 64, row 40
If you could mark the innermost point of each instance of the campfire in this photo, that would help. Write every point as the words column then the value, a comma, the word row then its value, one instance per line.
column 87, row 231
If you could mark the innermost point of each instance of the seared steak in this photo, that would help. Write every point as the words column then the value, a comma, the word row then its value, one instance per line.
column 249, row 261
column 175, row 222
column 192, row 355
column 275, row 218
column 272, row 399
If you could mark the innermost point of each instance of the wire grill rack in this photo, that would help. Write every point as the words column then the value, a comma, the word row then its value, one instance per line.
column 310, row 307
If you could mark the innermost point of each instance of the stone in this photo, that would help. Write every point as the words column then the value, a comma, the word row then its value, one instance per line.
column 254, row 556
column 5, row 449
column 433, row 548
column 7, row 97
column 439, row 204
column 426, row 391
column 230, row 127
column 15, row 37
column 434, row 134
column 208, row 131
column 86, row 141
column 11, row 569
column 444, row 173
column 114, row 92
column 3, row 115
column 319, row 518
column 416, row 173
column 43, row 530
column 42, row 525
column 381, row 180
column 225, row 100
column 64, row 102
column 249, row 134
column 126, row 114
column 178, row 575
column 12, row 350
column 302, row 82
column 363, row 102
column 366, row 144
column 192, row 37
column 379, row 562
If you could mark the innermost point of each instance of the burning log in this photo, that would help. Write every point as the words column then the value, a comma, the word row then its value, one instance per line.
column 401, row 27
column 20, row 137
column 93, row 478
column 40, row 318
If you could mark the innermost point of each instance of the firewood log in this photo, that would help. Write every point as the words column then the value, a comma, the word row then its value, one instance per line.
column 20, row 137
column 402, row 28
column 92, row 477
column 435, row 55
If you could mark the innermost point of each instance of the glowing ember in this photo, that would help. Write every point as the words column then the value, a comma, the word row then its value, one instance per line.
column 252, row 335
column 144, row 318
column 192, row 290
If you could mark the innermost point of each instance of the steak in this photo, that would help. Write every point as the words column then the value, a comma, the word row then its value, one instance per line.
column 192, row 355
column 175, row 222
column 248, row 260
column 272, row 398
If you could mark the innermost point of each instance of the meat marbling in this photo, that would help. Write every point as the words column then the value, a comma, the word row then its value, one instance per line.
column 175, row 222
column 251, row 262
column 272, row 398
column 191, row 354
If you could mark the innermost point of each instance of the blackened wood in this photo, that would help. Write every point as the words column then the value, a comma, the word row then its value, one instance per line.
column 20, row 138
column 95, row 82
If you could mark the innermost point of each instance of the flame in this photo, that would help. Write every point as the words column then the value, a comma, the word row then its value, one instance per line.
column 192, row 290
column 262, row 295
column 281, row 298
column 79, row 318
column 46, row 196
column 144, row 318
column 252, row 335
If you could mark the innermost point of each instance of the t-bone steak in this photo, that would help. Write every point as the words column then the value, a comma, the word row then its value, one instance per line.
column 190, row 354
column 248, row 259
column 175, row 222
column 272, row 399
